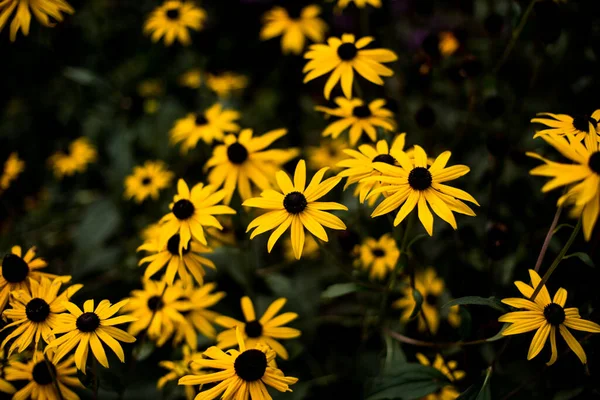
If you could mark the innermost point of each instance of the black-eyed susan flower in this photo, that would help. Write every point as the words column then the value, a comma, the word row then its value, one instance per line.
column 361, row 164
column 16, row 269
column 327, row 154
column 157, row 309
column 264, row 330
column 342, row 57
column 379, row 257
column 207, row 126
column 226, row 83
column 359, row 3
column 296, row 207
column 563, row 124
column 180, row 368
column 34, row 312
column 245, row 160
column 5, row 386
column 191, row 211
column 294, row 24
column 47, row 12
column 88, row 329
column 81, row 154
column 147, row 181
column 416, row 184
column 172, row 20
column 358, row 117
column 43, row 376
column 244, row 373
column 13, row 166
column 448, row 392
column 198, row 318
column 191, row 78
column 547, row 316
column 431, row 287
column 310, row 251
column 582, row 178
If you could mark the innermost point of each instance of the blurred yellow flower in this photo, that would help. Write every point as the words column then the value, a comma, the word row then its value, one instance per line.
column 47, row 12
column 562, row 124
column 379, row 257
column 191, row 78
column 327, row 154
column 359, row 3
column 172, row 20
column 147, row 181
column 448, row 43
column 448, row 392
column 180, row 368
column 311, row 248
column 226, row 83
column 150, row 88
column 81, row 153
column 13, row 166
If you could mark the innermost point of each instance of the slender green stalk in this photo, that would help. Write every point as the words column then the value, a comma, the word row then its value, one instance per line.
column 53, row 375
column 515, row 35
column 415, row 342
column 538, row 263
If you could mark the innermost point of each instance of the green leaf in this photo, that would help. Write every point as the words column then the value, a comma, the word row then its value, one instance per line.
column 584, row 257
column 100, row 220
column 416, row 239
column 480, row 301
column 418, row 304
column 498, row 335
column 143, row 351
column 479, row 391
column 558, row 228
column 407, row 381
column 82, row 76
column 338, row 290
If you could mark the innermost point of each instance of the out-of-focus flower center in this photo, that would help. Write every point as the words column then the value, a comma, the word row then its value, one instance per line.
column 183, row 209
column 347, row 51
column 237, row 153
column 253, row 329
column 14, row 268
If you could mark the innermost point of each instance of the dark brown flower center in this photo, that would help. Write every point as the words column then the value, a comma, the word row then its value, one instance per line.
column 377, row 252
column 87, row 322
column 173, row 245
column 14, row 268
column 237, row 153
column 295, row 202
column 155, row 303
column 361, row 112
column 183, row 209
column 201, row 120
column 41, row 373
column 37, row 310
column 253, row 329
column 251, row 365
column 420, row 178
column 581, row 122
column 594, row 162
column 146, row 181
column 173, row 14
column 385, row 158
column 347, row 51
column 554, row 314
column 431, row 299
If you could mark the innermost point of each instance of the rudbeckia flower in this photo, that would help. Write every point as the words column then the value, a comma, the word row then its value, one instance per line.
column 563, row 124
column 379, row 256
column 12, row 169
column 147, row 181
column 47, row 12
column 243, row 373
column 342, row 57
column 242, row 160
column 180, row 368
column 172, row 20
column 81, row 153
column 296, row 206
column 547, row 316
column 359, row 3
column 359, row 117
column 198, row 318
column 264, row 330
column 327, row 154
column 226, row 83
column 191, row 78
column 448, row 392
column 294, row 23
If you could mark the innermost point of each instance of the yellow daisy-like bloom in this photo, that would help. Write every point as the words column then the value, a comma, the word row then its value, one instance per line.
column 449, row 369
column 190, row 211
column 243, row 374
column 81, row 153
column 294, row 23
column 47, row 12
column 12, row 169
column 172, row 20
column 264, row 330
column 584, row 176
column 226, row 83
column 5, row 387
column 157, row 308
column 563, row 124
column 191, row 79
column 362, row 164
column 357, row 116
column 342, row 57
column 179, row 369
column 88, row 329
column 296, row 206
column 245, row 159
column 311, row 248
column 430, row 286
column 548, row 316
column 16, row 269
column 147, row 181
column 39, row 374
column 34, row 312
column 379, row 256
column 415, row 183
column 327, row 154
column 359, row 3
column 208, row 126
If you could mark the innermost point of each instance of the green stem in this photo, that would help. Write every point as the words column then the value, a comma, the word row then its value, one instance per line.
column 557, row 260
column 515, row 35
column 415, row 342
column 538, row 263
column 53, row 375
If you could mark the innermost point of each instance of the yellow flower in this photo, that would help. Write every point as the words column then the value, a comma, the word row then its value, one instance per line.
column 191, row 78
column 245, row 159
column 190, row 211
column 88, row 329
column 5, row 387
column 208, row 126
column 296, row 206
column 39, row 374
column 150, row 88
column 583, row 177
column 226, row 83
column 327, row 154
column 151, row 232
column 344, row 56
column 447, row 368
column 157, row 308
column 362, row 165
column 448, row 43
column 357, row 116
column 359, row 3
column 563, row 124
column 172, row 20
column 15, row 270
column 12, row 168
column 415, row 183
column 81, row 153
column 35, row 312
column 244, row 374
column 294, row 23
column 147, row 181
column 547, row 316
column 264, row 330
column 379, row 256
column 45, row 11
column 311, row 248
column 180, row 368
